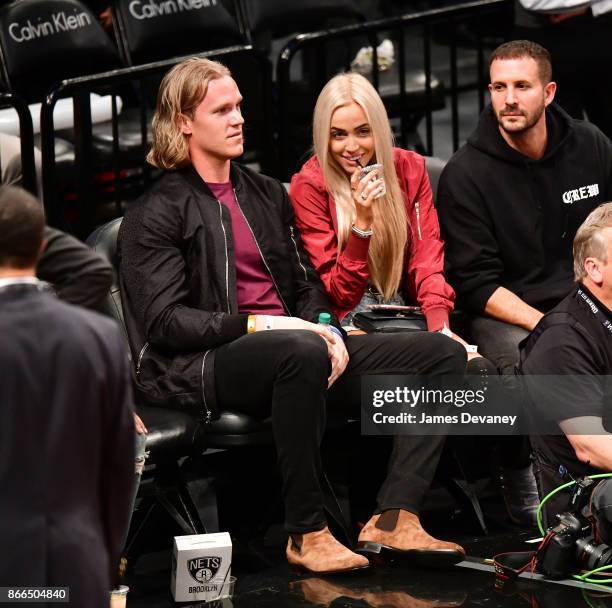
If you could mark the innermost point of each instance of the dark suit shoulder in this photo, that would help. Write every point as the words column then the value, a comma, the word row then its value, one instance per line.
column 78, row 322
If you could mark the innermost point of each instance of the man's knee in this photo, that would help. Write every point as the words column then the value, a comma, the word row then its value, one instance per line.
column 449, row 353
column 453, row 353
column 498, row 342
column 437, row 353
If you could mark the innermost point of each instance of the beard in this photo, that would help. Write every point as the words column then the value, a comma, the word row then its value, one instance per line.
column 519, row 126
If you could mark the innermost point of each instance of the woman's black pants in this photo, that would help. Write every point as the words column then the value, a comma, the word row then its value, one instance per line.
column 283, row 374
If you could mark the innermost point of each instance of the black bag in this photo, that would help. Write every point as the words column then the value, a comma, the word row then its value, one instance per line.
column 389, row 321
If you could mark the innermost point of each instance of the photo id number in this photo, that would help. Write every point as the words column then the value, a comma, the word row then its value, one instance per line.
column 11, row 595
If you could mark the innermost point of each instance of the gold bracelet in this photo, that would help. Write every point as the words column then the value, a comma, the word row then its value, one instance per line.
column 251, row 324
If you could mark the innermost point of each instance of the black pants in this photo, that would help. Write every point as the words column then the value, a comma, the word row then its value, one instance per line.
column 498, row 342
column 284, row 374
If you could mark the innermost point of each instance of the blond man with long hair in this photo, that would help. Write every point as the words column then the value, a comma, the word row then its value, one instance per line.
column 374, row 239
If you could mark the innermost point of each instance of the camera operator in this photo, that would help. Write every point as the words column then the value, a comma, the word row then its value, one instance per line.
column 574, row 340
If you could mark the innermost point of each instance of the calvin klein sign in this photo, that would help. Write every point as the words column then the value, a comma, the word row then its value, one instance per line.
column 151, row 9
column 58, row 23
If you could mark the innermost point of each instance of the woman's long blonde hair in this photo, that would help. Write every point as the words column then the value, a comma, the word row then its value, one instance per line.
column 390, row 225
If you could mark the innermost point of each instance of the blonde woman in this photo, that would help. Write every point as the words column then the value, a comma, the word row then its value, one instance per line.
column 375, row 239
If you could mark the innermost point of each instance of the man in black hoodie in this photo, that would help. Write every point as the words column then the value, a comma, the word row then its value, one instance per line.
column 510, row 202
column 511, row 199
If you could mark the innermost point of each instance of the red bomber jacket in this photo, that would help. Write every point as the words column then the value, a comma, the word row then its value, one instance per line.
column 346, row 274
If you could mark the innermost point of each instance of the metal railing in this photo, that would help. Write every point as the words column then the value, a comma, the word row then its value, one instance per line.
column 396, row 28
column 119, row 172
column 26, row 136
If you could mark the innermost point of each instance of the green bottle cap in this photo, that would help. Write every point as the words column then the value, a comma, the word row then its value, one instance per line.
column 324, row 318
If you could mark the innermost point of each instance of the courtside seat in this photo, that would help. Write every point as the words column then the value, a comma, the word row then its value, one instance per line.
column 267, row 20
column 150, row 31
column 434, row 166
column 233, row 429
column 236, row 429
column 45, row 41
column 172, row 436
column 172, row 433
column 42, row 43
column 39, row 40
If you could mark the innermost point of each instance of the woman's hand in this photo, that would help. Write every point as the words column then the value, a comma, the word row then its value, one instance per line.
column 365, row 191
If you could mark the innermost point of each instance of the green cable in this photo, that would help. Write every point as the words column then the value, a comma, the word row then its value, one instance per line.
column 584, row 578
column 594, row 581
column 555, row 491
column 600, row 569
column 543, row 502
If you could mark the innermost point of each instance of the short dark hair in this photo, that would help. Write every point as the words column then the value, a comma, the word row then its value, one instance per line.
column 517, row 49
column 22, row 221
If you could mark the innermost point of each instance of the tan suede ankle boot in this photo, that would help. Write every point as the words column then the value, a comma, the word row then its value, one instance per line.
column 399, row 532
column 321, row 553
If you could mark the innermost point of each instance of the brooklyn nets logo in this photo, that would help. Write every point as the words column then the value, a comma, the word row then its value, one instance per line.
column 203, row 569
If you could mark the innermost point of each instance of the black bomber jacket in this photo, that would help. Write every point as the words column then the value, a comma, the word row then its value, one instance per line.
column 178, row 279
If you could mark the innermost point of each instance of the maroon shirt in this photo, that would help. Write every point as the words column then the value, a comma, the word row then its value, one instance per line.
column 256, row 291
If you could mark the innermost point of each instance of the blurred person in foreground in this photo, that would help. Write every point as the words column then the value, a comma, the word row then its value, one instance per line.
column 66, row 425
